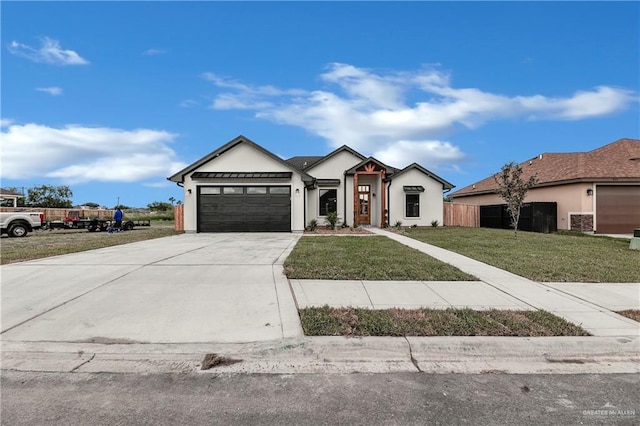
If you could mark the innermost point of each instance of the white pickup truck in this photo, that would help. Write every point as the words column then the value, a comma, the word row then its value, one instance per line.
column 18, row 224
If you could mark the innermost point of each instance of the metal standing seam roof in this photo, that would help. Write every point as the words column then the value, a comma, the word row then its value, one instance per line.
column 328, row 182
column 417, row 188
column 241, row 175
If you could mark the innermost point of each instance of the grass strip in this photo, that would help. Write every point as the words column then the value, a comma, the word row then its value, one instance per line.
column 365, row 258
column 560, row 257
column 355, row 322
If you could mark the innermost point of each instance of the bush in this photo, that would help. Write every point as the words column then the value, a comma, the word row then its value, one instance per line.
column 398, row 224
column 434, row 223
column 332, row 219
column 313, row 225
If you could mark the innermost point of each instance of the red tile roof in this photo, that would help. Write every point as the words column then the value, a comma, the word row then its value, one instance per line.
column 617, row 161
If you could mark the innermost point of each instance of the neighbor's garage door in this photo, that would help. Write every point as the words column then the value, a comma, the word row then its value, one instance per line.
column 244, row 208
column 617, row 209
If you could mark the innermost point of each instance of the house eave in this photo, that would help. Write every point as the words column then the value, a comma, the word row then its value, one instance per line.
column 180, row 176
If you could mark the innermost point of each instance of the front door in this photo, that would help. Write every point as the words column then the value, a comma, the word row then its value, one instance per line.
column 364, row 204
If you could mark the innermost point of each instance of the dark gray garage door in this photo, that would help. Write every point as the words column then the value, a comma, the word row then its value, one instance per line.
column 244, row 209
column 617, row 209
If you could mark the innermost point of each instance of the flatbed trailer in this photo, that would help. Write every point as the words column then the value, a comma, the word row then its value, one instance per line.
column 95, row 225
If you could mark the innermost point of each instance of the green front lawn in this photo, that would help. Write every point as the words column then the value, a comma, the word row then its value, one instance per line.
column 564, row 256
column 365, row 258
column 45, row 243
column 328, row 321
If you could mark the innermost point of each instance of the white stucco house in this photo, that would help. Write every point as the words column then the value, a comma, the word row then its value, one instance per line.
column 242, row 187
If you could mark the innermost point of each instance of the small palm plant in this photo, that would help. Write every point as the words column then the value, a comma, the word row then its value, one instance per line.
column 332, row 219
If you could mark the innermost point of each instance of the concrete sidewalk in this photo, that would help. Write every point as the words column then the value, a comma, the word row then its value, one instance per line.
column 403, row 294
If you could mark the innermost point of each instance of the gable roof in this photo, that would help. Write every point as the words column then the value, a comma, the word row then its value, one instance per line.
column 179, row 176
column 416, row 166
column 618, row 161
column 388, row 169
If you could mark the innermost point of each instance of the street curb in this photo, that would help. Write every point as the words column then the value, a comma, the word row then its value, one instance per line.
column 338, row 355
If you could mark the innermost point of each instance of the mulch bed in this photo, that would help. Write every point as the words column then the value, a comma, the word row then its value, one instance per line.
column 325, row 230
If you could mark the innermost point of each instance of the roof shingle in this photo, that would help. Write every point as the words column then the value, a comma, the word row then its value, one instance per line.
column 619, row 160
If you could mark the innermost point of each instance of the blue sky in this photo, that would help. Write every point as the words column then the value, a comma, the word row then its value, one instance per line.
column 112, row 98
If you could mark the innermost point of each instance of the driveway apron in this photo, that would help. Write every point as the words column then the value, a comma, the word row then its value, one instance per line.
column 185, row 289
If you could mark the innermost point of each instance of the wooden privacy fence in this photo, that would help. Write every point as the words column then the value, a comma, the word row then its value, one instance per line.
column 60, row 214
column 461, row 215
column 178, row 216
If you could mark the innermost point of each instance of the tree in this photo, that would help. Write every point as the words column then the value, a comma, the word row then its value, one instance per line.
column 49, row 196
column 92, row 205
column 513, row 190
column 172, row 200
column 160, row 206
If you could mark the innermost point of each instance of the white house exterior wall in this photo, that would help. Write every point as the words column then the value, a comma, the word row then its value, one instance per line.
column 243, row 158
column 333, row 168
column 431, row 202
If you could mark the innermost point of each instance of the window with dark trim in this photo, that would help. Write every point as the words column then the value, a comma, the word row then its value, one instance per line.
column 328, row 201
column 412, row 202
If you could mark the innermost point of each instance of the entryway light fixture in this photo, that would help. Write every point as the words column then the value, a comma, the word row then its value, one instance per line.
column 589, row 191
column 189, row 191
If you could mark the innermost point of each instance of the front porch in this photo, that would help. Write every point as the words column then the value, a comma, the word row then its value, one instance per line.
column 369, row 193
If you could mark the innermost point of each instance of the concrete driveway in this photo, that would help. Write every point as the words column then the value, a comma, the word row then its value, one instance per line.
column 184, row 289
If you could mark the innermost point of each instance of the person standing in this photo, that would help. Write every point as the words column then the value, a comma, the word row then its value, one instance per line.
column 117, row 218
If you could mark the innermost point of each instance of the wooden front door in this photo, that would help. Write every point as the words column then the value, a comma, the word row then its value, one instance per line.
column 364, row 204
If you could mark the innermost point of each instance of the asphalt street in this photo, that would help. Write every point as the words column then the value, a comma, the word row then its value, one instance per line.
column 316, row 399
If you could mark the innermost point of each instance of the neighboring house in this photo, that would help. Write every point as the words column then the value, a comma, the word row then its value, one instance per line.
column 596, row 191
column 9, row 196
column 243, row 187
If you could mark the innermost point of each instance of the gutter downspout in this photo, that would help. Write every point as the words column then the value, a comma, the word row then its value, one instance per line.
column 344, row 196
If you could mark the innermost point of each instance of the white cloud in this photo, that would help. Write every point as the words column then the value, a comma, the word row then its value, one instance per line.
column 371, row 112
column 159, row 184
column 426, row 153
column 154, row 52
column 5, row 122
column 76, row 153
column 53, row 91
column 189, row 103
column 245, row 96
column 49, row 52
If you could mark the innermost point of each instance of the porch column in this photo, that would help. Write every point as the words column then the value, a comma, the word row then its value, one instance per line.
column 355, row 199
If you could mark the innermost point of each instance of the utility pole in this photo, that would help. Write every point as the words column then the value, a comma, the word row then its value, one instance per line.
column 118, row 205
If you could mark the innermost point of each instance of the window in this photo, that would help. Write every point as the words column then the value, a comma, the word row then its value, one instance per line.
column 256, row 190
column 233, row 190
column 279, row 190
column 413, row 205
column 328, row 201
column 210, row 190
